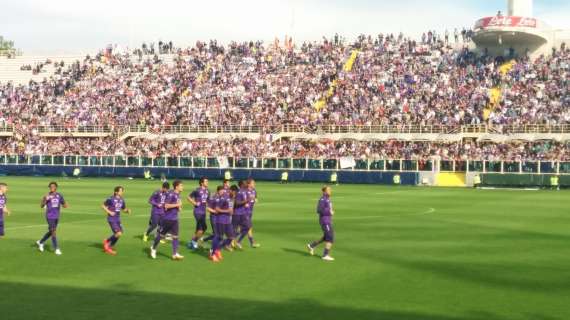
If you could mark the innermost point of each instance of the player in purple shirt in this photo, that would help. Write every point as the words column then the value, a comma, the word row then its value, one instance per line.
column 156, row 200
column 199, row 199
column 226, row 191
column 240, row 220
column 113, row 207
column 224, row 212
column 52, row 202
column 227, row 187
column 252, row 196
column 169, row 222
column 212, row 204
column 211, row 208
column 3, row 208
column 325, row 211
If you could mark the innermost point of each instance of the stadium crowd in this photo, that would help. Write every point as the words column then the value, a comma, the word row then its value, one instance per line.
column 394, row 85
column 394, row 80
column 467, row 150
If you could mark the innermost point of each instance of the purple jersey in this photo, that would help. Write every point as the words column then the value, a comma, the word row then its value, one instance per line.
column 115, row 204
column 252, row 195
column 324, row 209
column 224, row 202
column 212, row 204
column 53, row 203
column 157, row 200
column 200, row 196
column 3, row 201
column 172, row 213
column 241, row 209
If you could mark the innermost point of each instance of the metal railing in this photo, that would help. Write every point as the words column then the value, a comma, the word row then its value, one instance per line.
column 208, row 129
column 529, row 129
column 363, row 129
column 65, row 129
column 478, row 129
column 391, row 129
column 283, row 164
column 306, row 129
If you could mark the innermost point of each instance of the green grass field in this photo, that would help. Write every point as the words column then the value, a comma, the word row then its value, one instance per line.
column 402, row 253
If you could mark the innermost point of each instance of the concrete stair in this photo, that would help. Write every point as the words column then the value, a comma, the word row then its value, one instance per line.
column 10, row 68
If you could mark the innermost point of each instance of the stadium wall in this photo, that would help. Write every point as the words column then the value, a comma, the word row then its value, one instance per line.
column 324, row 176
column 522, row 180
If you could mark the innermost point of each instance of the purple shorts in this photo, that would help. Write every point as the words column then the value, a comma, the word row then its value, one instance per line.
column 328, row 232
column 201, row 222
column 224, row 229
column 1, row 227
column 154, row 220
column 52, row 224
column 169, row 227
column 116, row 226
column 242, row 221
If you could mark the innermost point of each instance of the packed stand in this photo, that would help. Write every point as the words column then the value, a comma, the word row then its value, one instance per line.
column 266, row 148
column 395, row 80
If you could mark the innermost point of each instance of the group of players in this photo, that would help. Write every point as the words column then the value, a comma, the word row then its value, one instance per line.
column 230, row 210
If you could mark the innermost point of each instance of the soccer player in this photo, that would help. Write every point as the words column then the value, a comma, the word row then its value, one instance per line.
column 113, row 207
column 215, row 254
column 240, row 219
column 156, row 200
column 3, row 208
column 52, row 202
column 252, row 196
column 169, row 222
column 325, row 211
column 199, row 199
column 224, row 212
column 226, row 186
column 211, row 208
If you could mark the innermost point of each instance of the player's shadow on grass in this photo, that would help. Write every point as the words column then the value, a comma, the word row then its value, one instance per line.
column 96, row 245
column 202, row 252
column 140, row 237
column 159, row 253
column 303, row 253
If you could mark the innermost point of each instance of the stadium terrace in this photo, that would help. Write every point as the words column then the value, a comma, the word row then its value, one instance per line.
column 444, row 97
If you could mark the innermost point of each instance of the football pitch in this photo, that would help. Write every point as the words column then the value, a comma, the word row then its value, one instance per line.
column 401, row 253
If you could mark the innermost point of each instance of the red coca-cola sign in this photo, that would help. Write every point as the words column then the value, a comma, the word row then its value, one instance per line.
column 499, row 21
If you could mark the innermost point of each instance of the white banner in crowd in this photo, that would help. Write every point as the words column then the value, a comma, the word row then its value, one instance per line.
column 224, row 163
column 347, row 162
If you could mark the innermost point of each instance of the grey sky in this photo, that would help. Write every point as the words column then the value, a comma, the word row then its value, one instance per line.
column 65, row 26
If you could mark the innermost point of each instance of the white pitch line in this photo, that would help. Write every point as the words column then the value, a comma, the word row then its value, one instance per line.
column 429, row 211
column 510, row 189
